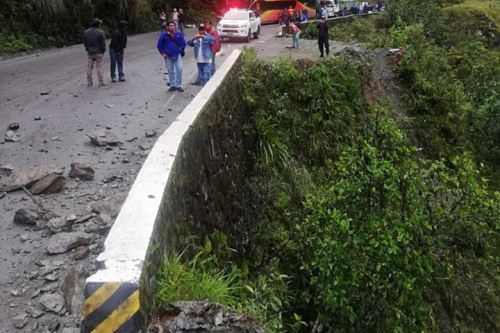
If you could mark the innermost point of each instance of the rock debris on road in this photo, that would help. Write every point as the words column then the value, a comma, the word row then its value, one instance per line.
column 78, row 149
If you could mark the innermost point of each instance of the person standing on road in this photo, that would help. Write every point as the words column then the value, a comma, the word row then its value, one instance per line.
column 182, row 20
column 163, row 18
column 324, row 11
column 217, row 45
column 171, row 45
column 323, row 37
column 95, row 45
column 116, row 50
column 295, row 31
column 290, row 12
column 203, row 54
column 174, row 17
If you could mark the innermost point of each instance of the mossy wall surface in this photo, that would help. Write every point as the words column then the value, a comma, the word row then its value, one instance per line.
column 206, row 189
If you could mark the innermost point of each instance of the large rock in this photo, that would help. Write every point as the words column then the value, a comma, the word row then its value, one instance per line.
column 203, row 316
column 110, row 206
column 59, row 224
column 20, row 320
column 73, row 285
column 81, row 171
column 51, row 183
column 10, row 136
column 52, row 302
column 13, row 126
column 26, row 177
column 26, row 217
column 104, row 138
column 65, row 241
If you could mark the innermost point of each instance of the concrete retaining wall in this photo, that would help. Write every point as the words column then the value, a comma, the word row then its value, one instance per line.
column 190, row 182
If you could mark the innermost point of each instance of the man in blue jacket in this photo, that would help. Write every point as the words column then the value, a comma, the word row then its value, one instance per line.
column 171, row 45
column 203, row 53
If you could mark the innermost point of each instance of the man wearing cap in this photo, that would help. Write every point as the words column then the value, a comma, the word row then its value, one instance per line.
column 203, row 43
column 116, row 50
column 95, row 45
column 171, row 45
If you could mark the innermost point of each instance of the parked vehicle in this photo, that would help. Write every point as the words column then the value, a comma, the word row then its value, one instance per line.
column 239, row 23
column 332, row 6
column 270, row 10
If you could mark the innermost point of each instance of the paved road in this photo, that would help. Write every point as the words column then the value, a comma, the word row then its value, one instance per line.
column 68, row 112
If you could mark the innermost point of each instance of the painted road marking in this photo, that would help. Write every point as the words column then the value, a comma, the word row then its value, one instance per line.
column 111, row 307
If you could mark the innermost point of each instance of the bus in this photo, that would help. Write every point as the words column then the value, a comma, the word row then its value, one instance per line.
column 269, row 10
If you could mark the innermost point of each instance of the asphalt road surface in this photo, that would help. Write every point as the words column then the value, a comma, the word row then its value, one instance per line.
column 46, row 94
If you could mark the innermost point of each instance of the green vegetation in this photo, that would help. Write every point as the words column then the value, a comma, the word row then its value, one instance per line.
column 28, row 24
column 192, row 281
column 365, row 226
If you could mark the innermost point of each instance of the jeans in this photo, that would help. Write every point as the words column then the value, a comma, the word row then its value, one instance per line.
column 204, row 72
column 98, row 60
column 212, row 72
column 116, row 59
column 174, row 67
column 295, row 39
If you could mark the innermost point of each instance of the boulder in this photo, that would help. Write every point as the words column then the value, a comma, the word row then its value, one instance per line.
column 104, row 138
column 26, row 217
column 26, row 177
column 13, row 126
column 73, row 285
column 52, row 302
column 81, row 171
column 65, row 241
column 51, row 183
column 202, row 316
column 20, row 320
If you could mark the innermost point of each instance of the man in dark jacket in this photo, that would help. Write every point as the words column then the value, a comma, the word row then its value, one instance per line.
column 323, row 37
column 171, row 45
column 116, row 50
column 93, row 40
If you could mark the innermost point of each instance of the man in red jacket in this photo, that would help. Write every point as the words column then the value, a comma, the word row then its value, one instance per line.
column 217, row 46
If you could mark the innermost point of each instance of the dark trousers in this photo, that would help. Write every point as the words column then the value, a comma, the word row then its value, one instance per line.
column 116, row 59
column 323, row 44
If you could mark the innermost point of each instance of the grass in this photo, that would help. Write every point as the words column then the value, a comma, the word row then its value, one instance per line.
column 187, row 281
column 13, row 44
column 490, row 8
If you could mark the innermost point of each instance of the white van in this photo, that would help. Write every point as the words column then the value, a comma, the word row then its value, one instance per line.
column 332, row 6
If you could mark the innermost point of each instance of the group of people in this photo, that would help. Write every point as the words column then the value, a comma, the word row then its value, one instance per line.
column 176, row 16
column 95, row 45
column 290, row 15
column 171, row 45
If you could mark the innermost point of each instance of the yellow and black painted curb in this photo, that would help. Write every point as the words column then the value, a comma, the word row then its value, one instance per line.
column 111, row 307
